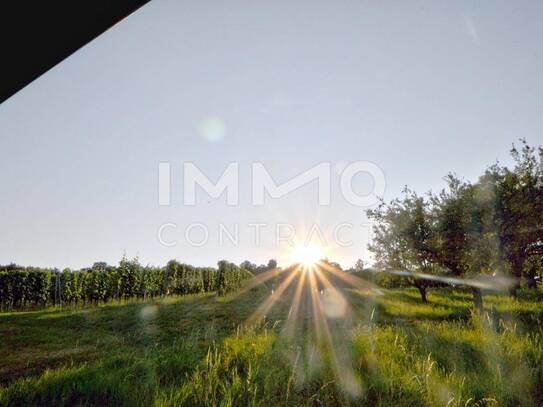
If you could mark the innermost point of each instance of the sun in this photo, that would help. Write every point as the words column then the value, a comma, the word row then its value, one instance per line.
column 307, row 255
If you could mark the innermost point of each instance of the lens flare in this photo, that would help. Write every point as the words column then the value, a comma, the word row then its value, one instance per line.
column 320, row 311
column 212, row 129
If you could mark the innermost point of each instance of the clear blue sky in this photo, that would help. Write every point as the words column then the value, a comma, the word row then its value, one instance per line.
column 420, row 88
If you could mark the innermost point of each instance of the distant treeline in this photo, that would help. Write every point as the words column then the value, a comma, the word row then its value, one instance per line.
column 21, row 287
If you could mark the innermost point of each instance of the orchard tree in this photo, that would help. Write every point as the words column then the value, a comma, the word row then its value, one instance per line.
column 403, row 237
column 461, row 228
column 515, row 197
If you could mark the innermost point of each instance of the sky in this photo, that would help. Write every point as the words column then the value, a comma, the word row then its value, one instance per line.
column 420, row 89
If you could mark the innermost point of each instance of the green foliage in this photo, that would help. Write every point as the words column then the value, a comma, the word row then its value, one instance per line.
column 493, row 225
column 257, row 269
column 129, row 273
column 209, row 279
column 22, row 287
column 230, row 277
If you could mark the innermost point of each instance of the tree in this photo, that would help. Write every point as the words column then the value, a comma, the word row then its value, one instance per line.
column 460, row 230
column 251, row 267
column 516, row 199
column 359, row 266
column 403, row 237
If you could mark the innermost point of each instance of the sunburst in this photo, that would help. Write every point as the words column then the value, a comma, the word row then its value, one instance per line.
column 314, row 296
column 307, row 255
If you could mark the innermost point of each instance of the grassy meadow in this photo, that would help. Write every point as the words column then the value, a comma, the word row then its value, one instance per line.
column 379, row 347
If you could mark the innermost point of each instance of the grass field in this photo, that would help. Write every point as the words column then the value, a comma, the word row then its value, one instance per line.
column 387, row 349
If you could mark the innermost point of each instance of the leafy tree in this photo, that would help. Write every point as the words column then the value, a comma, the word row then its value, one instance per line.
column 518, row 209
column 460, row 230
column 251, row 267
column 403, row 237
column 359, row 266
column 468, row 229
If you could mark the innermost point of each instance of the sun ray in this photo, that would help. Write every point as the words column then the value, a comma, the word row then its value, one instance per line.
column 292, row 318
column 336, row 295
column 263, row 308
column 258, row 279
column 354, row 281
column 343, row 373
column 315, row 305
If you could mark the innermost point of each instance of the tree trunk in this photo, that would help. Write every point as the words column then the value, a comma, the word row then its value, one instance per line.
column 477, row 298
column 517, row 266
column 422, row 290
column 530, row 281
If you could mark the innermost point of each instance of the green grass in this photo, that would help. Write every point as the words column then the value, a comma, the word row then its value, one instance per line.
column 387, row 349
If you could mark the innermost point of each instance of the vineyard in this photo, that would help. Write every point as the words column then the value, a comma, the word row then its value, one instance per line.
column 23, row 287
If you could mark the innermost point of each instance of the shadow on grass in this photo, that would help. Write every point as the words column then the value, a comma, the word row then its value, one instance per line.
column 451, row 354
column 34, row 341
column 110, row 382
column 401, row 308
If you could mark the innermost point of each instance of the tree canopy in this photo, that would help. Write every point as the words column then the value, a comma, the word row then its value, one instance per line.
column 492, row 226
